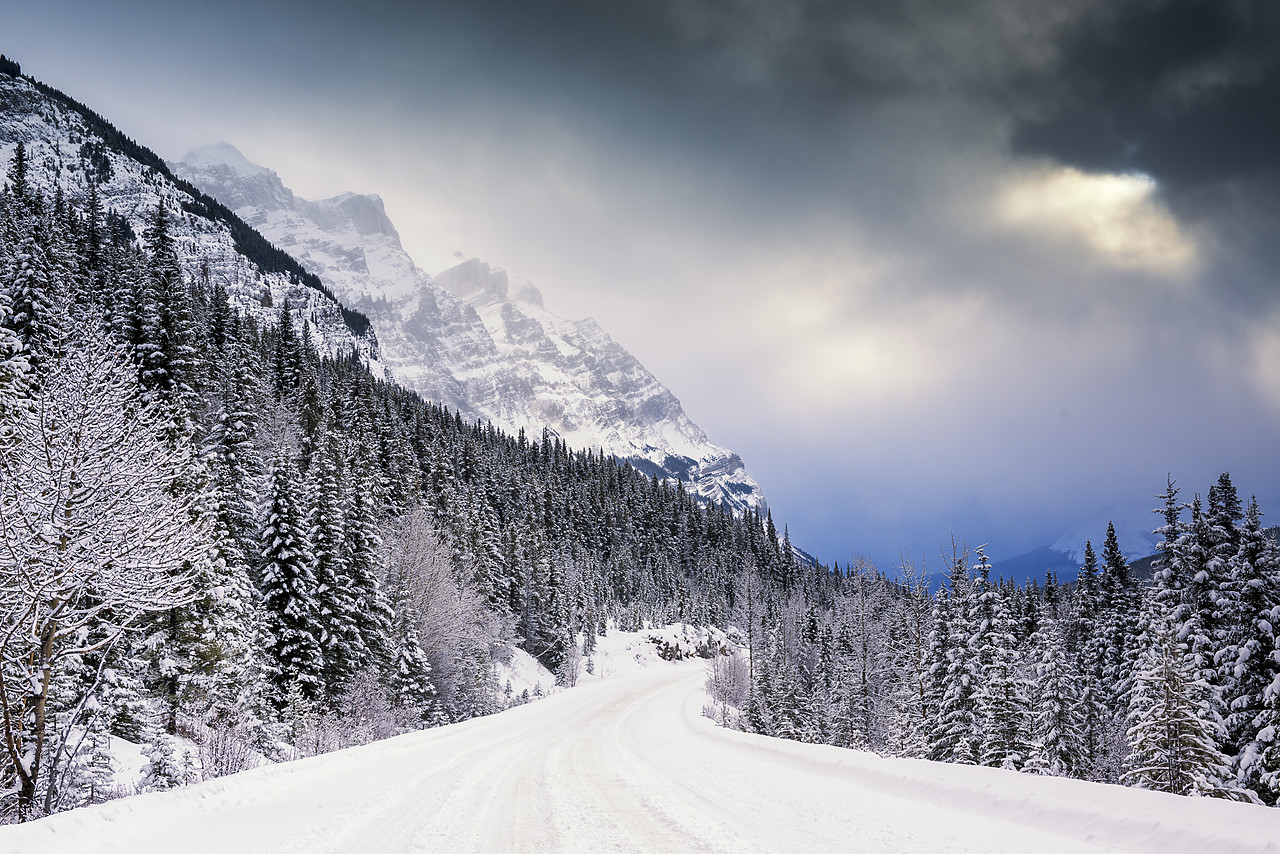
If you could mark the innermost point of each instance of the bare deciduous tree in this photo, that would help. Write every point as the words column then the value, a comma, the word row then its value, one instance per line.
column 92, row 535
column 453, row 623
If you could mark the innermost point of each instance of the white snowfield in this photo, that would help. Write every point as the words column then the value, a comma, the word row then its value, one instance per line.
column 629, row 765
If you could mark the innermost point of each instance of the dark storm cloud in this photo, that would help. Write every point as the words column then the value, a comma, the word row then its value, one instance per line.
column 1185, row 90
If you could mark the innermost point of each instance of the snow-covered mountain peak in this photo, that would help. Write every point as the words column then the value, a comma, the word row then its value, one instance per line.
column 223, row 154
column 368, row 214
column 473, row 278
column 1136, row 541
column 480, row 341
column 524, row 292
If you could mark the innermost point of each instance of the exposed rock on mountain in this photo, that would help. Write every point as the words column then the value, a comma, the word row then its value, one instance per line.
column 474, row 339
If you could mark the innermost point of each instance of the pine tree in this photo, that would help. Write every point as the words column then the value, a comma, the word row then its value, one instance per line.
column 100, row 780
column 292, row 614
column 1060, row 725
column 361, row 561
column 956, row 735
column 1174, row 728
column 228, row 624
column 1004, row 710
column 1121, row 631
column 411, row 686
column 1249, row 666
column 165, row 769
column 29, row 290
column 14, row 365
column 166, row 349
column 339, row 635
column 1082, row 629
column 17, row 174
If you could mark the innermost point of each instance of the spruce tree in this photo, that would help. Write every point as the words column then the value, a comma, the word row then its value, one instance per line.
column 957, row 735
column 1004, row 709
column 1249, row 664
column 339, row 635
column 360, row 560
column 29, row 291
column 167, row 349
column 411, row 686
column 164, row 769
column 291, row 612
column 1060, row 724
column 1174, row 728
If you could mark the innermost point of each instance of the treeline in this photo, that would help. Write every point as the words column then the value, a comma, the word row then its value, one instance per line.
column 313, row 556
column 1171, row 685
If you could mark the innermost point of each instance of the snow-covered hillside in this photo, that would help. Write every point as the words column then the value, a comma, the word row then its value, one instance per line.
column 1065, row 555
column 629, row 764
column 1134, row 536
column 68, row 147
column 475, row 340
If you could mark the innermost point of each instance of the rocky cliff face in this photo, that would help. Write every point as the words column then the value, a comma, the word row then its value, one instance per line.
column 474, row 339
column 68, row 147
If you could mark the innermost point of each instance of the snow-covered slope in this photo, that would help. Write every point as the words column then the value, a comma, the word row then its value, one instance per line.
column 1135, row 539
column 474, row 340
column 1065, row 555
column 68, row 147
column 629, row 764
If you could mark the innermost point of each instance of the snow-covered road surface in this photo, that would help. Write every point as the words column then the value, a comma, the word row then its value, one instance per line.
column 629, row 765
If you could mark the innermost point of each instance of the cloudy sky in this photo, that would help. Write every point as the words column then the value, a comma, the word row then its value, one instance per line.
column 982, row 267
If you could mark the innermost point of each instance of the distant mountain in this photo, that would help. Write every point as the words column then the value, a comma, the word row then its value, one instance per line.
column 1065, row 555
column 476, row 340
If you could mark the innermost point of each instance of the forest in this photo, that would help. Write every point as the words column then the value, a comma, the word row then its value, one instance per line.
column 211, row 535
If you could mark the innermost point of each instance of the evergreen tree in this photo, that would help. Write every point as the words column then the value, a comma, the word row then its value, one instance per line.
column 956, row 735
column 292, row 614
column 372, row 614
column 17, row 174
column 1174, row 728
column 1004, row 710
column 14, row 365
column 29, row 292
column 166, row 349
column 338, row 631
column 164, row 769
column 1249, row 665
column 1060, row 724
column 411, row 686
column 100, row 780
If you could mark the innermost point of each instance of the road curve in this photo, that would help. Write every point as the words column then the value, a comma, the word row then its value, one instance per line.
column 622, row 765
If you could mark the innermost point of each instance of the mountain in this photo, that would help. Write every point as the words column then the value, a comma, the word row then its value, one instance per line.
column 69, row 148
column 476, row 340
column 1065, row 555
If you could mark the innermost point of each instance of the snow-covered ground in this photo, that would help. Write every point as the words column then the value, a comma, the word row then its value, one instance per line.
column 628, row 763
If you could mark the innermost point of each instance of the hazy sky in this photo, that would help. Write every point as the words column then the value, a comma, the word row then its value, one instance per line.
column 930, row 266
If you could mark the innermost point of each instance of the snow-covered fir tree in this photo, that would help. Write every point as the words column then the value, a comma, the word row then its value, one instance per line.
column 1174, row 728
column 1060, row 727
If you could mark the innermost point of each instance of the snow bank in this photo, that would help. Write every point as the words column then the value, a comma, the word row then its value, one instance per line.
column 1116, row 818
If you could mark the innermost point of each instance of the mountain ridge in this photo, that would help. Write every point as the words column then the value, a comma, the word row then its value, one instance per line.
column 70, row 148
column 476, row 339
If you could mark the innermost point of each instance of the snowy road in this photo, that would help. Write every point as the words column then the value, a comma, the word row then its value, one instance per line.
column 628, row 765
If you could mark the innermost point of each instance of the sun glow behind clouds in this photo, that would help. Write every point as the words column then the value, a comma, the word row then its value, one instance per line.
column 1119, row 217
column 1266, row 359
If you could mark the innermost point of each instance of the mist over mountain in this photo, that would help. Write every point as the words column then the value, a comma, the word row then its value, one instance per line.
column 476, row 340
